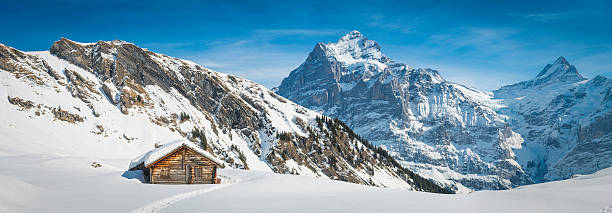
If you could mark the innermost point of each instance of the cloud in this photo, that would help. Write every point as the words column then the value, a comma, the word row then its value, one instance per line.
column 479, row 42
column 255, row 57
column 487, row 58
column 303, row 32
column 548, row 17
column 543, row 17
column 383, row 22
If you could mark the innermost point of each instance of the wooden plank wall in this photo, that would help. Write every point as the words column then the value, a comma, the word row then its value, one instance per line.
column 175, row 168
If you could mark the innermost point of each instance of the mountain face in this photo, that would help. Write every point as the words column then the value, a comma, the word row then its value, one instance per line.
column 443, row 131
column 547, row 128
column 119, row 99
column 564, row 119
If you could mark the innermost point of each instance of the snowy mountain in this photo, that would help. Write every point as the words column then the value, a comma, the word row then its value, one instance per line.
column 564, row 119
column 442, row 130
column 114, row 100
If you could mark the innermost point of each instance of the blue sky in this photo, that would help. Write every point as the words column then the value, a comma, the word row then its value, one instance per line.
column 484, row 44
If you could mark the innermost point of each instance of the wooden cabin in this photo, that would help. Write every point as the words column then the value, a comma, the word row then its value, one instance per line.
column 178, row 162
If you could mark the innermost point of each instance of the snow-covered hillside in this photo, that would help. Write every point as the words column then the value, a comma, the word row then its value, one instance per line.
column 442, row 130
column 114, row 100
column 68, row 183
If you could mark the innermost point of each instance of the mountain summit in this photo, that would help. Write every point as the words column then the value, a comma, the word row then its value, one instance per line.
column 442, row 130
column 355, row 47
column 542, row 129
column 559, row 74
column 560, row 70
column 564, row 119
column 352, row 35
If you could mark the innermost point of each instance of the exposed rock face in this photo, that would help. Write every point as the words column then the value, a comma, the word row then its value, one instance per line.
column 80, row 87
column 64, row 115
column 565, row 120
column 442, row 130
column 22, row 65
column 238, row 120
column 24, row 104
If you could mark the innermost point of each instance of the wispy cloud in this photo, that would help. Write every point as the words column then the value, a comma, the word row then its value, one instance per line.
column 383, row 22
column 554, row 16
column 543, row 17
column 488, row 57
column 303, row 32
column 486, row 42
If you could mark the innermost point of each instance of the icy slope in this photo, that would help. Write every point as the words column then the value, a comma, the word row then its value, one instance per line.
column 112, row 99
column 442, row 130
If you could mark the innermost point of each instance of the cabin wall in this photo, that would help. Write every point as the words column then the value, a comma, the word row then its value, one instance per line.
column 183, row 166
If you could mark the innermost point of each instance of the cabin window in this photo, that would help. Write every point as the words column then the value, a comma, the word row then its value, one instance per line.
column 164, row 173
column 198, row 172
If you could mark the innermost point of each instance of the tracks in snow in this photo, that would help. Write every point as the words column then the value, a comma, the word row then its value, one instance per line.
column 157, row 206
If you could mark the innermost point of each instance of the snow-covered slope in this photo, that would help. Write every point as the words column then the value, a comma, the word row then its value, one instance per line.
column 442, row 130
column 565, row 120
column 47, row 183
column 112, row 99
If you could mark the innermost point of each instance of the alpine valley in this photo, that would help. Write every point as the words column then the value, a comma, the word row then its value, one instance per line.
column 552, row 127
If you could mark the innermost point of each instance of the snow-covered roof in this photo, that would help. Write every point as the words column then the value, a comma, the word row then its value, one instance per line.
column 158, row 153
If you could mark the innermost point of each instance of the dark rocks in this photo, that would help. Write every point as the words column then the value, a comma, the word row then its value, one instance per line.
column 64, row 115
column 24, row 104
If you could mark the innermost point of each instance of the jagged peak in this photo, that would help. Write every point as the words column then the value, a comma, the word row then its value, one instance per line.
column 355, row 47
column 561, row 60
column 65, row 40
column 114, row 42
column 355, row 39
column 561, row 69
column 352, row 35
column 120, row 42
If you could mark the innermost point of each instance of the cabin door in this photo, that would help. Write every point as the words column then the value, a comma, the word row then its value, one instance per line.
column 189, row 174
column 197, row 170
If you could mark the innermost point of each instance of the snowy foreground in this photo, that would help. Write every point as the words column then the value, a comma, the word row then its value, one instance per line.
column 49, row 183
